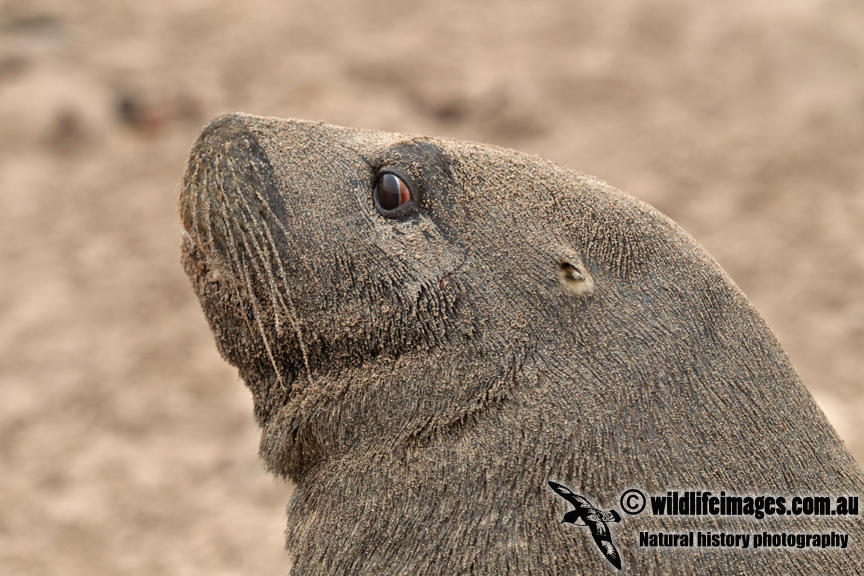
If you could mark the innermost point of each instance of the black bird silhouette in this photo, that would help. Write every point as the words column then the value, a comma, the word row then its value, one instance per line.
column 585, row 514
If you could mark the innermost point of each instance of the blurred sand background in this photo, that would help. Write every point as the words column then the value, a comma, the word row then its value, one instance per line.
column 128, row 447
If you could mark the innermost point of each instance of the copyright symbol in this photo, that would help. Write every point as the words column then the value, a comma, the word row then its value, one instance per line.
column 633, row 501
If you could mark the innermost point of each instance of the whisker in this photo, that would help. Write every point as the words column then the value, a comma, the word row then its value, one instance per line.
column 290, row 309
column 256, row 306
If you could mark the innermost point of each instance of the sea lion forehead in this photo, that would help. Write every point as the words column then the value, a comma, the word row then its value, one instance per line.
column 317, row 141
column 298, row 149
column 342, row 165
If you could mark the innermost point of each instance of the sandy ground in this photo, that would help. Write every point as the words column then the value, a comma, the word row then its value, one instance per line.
column 127, row 446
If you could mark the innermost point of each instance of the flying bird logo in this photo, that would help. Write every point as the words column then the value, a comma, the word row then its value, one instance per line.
column 585, row 514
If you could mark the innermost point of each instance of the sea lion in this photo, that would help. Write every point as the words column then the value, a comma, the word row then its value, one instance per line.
column 433, row 330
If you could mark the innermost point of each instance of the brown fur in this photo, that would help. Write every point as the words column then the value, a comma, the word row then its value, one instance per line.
column 422, row 379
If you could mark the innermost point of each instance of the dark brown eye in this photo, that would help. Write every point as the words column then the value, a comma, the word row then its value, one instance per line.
column 391, row 192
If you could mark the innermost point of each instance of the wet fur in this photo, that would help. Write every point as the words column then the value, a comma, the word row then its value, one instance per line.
column 422, row 379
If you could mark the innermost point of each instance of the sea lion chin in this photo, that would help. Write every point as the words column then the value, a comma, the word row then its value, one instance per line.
column 435, row 331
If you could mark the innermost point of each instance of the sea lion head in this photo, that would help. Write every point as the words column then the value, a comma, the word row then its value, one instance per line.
column 314, row 290
column 375, row 289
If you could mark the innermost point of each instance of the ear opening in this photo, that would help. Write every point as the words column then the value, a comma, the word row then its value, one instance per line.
column 574, row 277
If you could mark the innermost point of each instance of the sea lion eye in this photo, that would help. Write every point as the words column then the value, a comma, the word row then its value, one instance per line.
column 391, row 192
